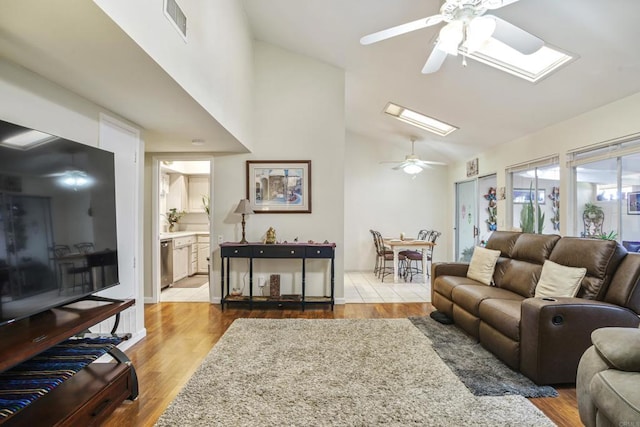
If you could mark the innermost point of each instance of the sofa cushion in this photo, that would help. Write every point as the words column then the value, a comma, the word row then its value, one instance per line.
column 615, row 393
column 535, row 248
column 619, row 347
column 502, row 315
column 521, row 277
column 469, row 297
column 503, row 241
column 444, row 285
column 559, row 281
column 604, row 257
column 483, row 262
column 624, row 289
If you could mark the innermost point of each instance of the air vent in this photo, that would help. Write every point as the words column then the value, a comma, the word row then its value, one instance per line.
column 175, row 14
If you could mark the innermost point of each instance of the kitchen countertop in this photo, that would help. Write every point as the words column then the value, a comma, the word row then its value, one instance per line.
column 176, row 234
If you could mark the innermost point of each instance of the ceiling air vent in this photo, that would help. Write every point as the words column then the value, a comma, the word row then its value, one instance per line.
column 175, row 14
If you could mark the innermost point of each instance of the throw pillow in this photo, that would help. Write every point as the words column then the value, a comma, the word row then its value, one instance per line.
column 559, row 281
column 483, row 262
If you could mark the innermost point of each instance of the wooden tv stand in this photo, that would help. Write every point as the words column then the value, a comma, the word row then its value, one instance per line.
column 90, row 395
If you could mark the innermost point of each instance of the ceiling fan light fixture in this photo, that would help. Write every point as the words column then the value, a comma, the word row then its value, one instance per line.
column 479, row 30
column 412, row 169
column 451, row 35
column 419, row 120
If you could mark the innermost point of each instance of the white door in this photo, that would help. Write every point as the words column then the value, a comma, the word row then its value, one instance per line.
column 466, row 219
column 124, row 142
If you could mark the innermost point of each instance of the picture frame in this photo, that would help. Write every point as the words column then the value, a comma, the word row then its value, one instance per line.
column 279, row 186
column 472, row 167
column 633, row 203
column 523, row 195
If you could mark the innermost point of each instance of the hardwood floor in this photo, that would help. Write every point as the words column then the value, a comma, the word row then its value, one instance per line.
column 180, row 335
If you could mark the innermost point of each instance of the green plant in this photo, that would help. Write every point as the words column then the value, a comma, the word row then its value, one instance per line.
column 527, row 218
column 592, row 211
column 466, row 254
column 612, row 235
column 205, row 203
column 174, row 216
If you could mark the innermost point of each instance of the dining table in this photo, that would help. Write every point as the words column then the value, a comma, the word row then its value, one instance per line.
column 398, row 245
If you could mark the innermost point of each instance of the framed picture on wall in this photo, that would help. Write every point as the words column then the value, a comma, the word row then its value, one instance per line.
column 633, row 203
column 279, row 186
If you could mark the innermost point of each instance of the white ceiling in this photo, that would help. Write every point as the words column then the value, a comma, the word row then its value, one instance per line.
column 81, row 49
column 489, row 106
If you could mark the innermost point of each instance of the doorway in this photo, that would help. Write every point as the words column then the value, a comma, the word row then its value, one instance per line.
column 475, row 214
column 182, row 192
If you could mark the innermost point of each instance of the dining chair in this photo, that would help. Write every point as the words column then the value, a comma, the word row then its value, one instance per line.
column 384, row 256
column 66, row 266
column 413, row 257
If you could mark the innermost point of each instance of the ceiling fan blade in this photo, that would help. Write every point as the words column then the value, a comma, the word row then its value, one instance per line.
column 435, row 60
column 430, row 162
column 401, row 166
column 401, row 29
column 497, row 4
column 390, row 161
column 522, row 41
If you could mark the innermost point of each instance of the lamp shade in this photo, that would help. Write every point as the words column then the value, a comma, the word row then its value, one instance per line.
column 244, row 207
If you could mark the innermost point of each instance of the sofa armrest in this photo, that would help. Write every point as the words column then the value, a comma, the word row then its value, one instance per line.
column 620, row 347
column 555, row 333
column 449, row 269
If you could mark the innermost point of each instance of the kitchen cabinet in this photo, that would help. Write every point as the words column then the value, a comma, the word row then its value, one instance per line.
column 177, row 195
column 180, row 263
column 197, row 187
column 203, row 253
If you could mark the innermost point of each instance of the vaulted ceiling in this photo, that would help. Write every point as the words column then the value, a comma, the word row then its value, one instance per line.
column 489, row 106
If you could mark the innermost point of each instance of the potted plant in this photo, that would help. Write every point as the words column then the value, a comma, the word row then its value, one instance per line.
column 173, row 216
column 593, row 212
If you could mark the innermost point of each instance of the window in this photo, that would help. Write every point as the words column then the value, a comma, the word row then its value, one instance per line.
column 534, row 194
column 605, row 180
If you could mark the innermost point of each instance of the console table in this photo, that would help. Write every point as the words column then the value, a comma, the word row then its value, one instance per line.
column 252, row 251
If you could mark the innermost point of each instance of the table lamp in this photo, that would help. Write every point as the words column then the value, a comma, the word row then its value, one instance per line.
column 244, row 208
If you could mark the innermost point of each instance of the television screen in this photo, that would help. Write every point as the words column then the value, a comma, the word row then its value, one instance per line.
column 57, row 221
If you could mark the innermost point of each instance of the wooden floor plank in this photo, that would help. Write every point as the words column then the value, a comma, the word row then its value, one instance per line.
column 180, row 335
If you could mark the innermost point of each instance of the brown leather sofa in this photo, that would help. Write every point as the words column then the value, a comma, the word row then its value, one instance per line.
column 542, row 338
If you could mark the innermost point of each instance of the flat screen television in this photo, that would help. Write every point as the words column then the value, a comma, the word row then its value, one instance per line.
column 57, row 221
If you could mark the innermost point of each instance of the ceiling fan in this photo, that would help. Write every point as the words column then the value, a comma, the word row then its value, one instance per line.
column 467, row 30
column 412, row 164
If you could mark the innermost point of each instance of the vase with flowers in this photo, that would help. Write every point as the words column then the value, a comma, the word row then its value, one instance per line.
column 173, row 216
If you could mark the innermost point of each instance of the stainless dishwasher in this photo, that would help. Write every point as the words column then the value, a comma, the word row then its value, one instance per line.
column 166, row 263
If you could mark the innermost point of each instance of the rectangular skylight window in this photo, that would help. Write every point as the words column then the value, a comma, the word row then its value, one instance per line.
column 419, row 120
column 529, row 67
column 27, row 140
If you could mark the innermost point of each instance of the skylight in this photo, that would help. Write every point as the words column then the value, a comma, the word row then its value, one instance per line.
column 419, row 120
column 27, row 140
column 529, row 67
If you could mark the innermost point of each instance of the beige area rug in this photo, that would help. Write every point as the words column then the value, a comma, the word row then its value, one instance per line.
column 303, row 372
column 194, row 281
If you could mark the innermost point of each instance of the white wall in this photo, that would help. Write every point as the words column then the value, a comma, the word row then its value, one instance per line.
column 389, row 201
column 214, row 64
column 30, row 100
column 298, row 115
column 614, row 120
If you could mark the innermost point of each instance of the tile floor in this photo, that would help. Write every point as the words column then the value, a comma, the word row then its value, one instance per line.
column 359, row 287
column 365, row 287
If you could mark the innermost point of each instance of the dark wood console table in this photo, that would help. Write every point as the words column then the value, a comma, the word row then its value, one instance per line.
column 252, row 251
column 90, row 395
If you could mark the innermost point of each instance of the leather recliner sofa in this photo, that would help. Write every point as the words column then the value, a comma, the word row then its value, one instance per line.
column 542, row 338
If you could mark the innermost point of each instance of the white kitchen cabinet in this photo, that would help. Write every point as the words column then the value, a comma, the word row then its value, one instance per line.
column 177, row 195
column 203, row 253
column 182, row 248
column 180, row 263
column 198, row 186
column 193, row 259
